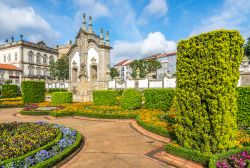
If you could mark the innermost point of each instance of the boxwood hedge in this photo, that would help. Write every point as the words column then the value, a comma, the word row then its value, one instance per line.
column 33, row 91
column 105, row 97
column 58, row 98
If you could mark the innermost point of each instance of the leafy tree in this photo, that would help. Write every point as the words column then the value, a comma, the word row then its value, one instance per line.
column 145, row 67
column 62, row 68
column 59, row 69
column 8, row 81
column 113, row 73
column 247, row 48
column 52, row 70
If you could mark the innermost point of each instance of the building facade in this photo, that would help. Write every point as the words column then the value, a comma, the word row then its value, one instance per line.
column 89, row 60
column 64, row 49
column 168, row 64
column 124, row 69
column 32, row 58
column 10, row 73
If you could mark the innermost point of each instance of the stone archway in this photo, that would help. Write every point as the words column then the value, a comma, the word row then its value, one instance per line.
column 93, row 73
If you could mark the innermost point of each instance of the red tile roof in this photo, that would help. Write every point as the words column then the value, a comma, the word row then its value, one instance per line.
column 123, row 62
column 155, row 56
column 9, row 67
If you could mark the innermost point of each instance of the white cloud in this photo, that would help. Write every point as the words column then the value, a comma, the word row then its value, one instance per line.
column 156, row 8
column 24, row 20
column 154, row 43
column 92, row 7
column 231, row 15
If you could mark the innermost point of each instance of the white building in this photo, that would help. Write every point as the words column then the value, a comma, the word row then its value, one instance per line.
column 10, row 72
column 33, row 59
column 168, row 64
column 124, row 69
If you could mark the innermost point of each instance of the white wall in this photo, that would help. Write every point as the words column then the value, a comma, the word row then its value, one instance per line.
column 12, row 52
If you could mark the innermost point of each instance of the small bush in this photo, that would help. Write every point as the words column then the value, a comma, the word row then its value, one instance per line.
column 51, row 90
column 159, row 98
column 131, row 99
column 243, row 104
column 33, row 91
column 188, row 154
column 9, row 91
column 61, row 98
column 105, row 97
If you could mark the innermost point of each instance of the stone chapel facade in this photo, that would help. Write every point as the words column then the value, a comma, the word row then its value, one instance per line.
column 89, row 61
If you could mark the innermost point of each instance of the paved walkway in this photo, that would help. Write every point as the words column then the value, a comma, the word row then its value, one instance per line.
column 109, row 144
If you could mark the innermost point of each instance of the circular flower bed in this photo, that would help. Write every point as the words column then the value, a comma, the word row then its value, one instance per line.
column 36, row 144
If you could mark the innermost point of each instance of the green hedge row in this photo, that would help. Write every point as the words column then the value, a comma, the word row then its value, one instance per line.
column 51, row 90
column 159, row 98
column 66, row 114
column 9, row 91
column 33, row 91
column 188, row 154
column 206, row 102
column 243, row 104
column 131, row 99
column 105, row 97
column 58, row 98
column 31, row 153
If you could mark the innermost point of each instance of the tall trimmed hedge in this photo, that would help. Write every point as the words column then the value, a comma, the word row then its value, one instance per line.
column 58, row 98
column 159, row 98
column 243, row 106
column 131, row 99
column 207, row 76
column 33, row 91
column 9, row 91
column 105, row 97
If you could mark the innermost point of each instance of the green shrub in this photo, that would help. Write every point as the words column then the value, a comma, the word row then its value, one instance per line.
column 131, row 99
column 159, row 98
column 207, row 76
column 9, row 91
column 58, row 98
column 105, row 97
column 188, row 154
column 51, row 90
column 33, row 91
column 243, row 106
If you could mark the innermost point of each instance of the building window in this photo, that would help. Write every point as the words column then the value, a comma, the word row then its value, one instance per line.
column 4, row 58
column 10, row 72
column 45, row 59
column 38, row 71
column 9, row 57
column 17, row 73
column 31, row 58
column 51, row 59
column 15, row 56
column 31, row 71
column 16, row 81
column 38, row 58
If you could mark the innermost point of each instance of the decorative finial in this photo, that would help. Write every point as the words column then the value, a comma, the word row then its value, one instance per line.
column 90, row 25
column 21, row 37
column 107, row 38
column 84, row 22
column 101, row 36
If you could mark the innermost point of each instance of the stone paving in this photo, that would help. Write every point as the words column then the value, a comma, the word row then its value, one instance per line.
column 109, row 144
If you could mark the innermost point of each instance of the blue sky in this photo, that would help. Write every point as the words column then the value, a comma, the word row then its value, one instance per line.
column 137, row 28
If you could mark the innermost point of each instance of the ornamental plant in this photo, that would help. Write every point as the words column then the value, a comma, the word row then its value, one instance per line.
column 9, row 91
column 131, row 99
column 105, row 97
column 207, row 76
column 33, row 91
column 58, row 98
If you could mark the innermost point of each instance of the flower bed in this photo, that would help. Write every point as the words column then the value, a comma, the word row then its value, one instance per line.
column 151, row 120
column 66, row 142
column 11, row 102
